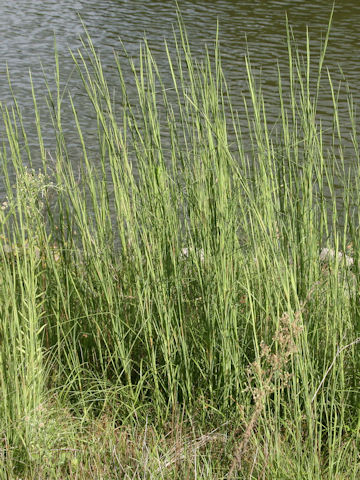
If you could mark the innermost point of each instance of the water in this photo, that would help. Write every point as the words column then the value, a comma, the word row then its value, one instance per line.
column 27, row 31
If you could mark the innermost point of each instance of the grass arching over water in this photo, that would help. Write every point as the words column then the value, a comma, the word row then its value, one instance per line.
column 165, row 312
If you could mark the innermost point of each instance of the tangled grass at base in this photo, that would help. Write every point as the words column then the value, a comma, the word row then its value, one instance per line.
column 165, row 313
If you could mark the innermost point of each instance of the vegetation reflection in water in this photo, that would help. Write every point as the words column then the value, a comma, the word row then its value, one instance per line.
column 198, row 332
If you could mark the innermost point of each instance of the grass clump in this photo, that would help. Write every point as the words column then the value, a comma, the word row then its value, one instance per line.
column 166, row 309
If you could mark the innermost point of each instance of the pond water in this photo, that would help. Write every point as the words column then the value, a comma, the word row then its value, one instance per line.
column 27, row 31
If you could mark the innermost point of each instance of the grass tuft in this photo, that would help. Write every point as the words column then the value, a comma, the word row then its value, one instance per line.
column 186, row 304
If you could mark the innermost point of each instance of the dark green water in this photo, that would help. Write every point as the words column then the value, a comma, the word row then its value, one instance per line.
column 27, row 37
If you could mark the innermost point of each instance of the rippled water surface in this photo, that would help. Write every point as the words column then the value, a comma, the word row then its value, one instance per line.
column 27, row 31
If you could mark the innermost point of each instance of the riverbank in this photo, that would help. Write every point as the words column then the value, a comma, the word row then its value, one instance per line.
column 166, row 312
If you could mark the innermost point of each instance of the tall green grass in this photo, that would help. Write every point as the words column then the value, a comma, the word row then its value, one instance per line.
column 167, row 298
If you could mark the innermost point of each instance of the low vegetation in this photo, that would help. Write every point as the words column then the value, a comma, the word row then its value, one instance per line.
column 166, row 311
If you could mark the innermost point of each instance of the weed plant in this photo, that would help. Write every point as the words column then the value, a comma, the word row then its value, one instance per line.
column 165, row 312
